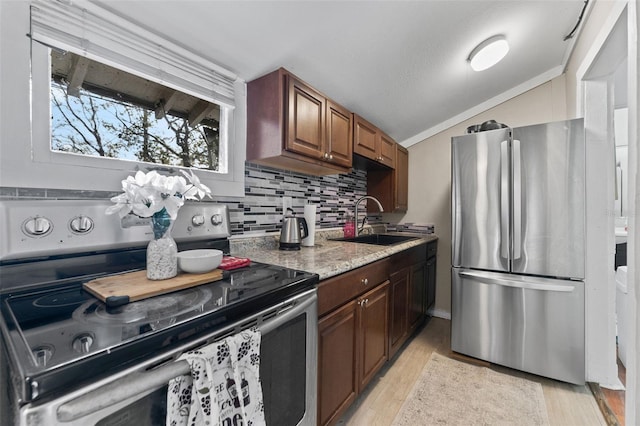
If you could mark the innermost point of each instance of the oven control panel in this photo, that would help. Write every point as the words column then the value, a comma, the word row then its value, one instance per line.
column 38, row 228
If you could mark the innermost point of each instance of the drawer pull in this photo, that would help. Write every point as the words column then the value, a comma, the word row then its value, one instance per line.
column 365, row 281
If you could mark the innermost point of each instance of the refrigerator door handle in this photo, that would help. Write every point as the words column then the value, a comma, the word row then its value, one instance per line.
column 544, row 284
column 517, row 201
column 504, row 199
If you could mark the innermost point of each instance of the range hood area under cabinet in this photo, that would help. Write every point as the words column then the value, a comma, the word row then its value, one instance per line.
column 292, row 126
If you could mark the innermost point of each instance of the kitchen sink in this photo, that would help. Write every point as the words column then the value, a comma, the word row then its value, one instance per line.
column 377, row 239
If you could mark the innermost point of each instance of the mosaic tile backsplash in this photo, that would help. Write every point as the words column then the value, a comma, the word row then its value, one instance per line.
column 260, row 209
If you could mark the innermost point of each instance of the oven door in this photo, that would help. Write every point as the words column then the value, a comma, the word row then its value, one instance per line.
column 137, row 396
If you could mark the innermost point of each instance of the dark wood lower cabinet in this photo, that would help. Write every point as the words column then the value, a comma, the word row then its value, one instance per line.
column 337, row 351
column 352, row 347
column 373, row 333
column 399, row 290
column 432, row 251
column 418, row 295
column 365, row 316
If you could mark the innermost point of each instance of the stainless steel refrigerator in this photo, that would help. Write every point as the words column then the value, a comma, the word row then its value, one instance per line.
column 518, row 248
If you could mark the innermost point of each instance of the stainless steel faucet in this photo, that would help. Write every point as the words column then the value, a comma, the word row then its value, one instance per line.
column 365, row 216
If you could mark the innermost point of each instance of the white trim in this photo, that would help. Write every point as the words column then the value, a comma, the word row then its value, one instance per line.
column 594, row 51
column 88, row 30
column 495, row 101
column 440, row 313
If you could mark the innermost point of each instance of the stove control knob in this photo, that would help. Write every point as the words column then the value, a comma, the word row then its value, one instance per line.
column 42, row 354
column 216, row 219
column 82, row 343
column 81, row 224
column 37, row 226
column 197, row 220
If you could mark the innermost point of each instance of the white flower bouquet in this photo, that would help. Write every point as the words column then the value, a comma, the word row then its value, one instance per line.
column 158, row 197
column 146, row 194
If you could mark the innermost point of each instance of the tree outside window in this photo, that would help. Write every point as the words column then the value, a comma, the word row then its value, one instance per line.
column 101, row 111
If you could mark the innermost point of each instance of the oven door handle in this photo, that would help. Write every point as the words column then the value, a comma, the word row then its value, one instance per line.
column 142, row 382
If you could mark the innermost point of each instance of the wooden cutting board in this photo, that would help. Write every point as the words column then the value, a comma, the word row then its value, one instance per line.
column 116, row 290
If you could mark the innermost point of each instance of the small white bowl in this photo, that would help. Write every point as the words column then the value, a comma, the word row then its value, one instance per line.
column 199, row 261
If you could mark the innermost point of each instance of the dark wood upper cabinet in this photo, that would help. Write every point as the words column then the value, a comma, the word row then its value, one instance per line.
column 387, row 150
column 292, row 126
column 339, row 135
column 372, row 143
column 305, row 120
column 391, row 187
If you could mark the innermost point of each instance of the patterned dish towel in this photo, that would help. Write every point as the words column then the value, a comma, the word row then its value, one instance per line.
column 224, row 386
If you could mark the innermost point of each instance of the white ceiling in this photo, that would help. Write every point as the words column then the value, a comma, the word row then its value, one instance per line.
column 400, row 64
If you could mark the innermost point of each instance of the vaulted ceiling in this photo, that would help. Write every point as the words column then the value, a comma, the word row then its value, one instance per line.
column 400, row 64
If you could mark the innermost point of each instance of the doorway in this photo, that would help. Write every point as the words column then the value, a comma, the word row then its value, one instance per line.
column 609, row 79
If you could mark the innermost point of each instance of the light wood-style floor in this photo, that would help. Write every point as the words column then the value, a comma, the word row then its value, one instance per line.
column 378, row 405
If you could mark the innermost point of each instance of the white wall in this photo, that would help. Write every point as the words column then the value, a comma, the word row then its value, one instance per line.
column 430, row 170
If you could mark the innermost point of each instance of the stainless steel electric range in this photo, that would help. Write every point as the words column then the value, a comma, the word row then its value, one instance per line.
column 74, row 361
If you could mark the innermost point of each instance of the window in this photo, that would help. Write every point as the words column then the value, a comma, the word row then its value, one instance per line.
column 98, row 110
column 149, row 102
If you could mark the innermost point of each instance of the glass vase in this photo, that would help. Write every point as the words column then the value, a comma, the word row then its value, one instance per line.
column 162, row 259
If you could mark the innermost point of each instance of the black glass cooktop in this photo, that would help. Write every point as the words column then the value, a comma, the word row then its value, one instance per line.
column 54, row 327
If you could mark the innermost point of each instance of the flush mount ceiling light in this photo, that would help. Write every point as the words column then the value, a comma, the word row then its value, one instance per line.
column 488, row 53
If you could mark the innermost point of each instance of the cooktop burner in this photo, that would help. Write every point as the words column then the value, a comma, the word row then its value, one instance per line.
column 147, row 310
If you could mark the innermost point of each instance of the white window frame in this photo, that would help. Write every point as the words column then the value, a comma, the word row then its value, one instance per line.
column 60, row 170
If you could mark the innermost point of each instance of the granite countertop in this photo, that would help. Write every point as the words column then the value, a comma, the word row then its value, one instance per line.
column 326, row 258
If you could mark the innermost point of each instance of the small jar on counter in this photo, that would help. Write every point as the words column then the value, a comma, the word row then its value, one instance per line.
column 349, row 228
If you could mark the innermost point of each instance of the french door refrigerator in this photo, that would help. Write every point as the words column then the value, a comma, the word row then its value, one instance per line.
column 518, row 236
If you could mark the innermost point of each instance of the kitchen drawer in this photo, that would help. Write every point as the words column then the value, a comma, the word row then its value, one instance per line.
column 408, row 257
column 339, row 290
column 432, row 249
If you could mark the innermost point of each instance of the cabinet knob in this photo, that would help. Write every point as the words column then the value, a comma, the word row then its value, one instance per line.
column 365, row 281
column 325, row 156
column 330, row 156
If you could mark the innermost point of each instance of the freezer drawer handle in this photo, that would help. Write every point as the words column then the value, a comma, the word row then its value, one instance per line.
column 541, row 284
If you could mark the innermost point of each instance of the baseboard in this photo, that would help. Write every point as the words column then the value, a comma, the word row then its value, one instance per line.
column 439, row 313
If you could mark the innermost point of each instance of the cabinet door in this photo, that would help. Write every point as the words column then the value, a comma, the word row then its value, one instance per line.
column 399, row 297
column 431, row 282
column 305, row 120
column 417, row 295
column 387, row 151
column 339, row 146
column 365, row 138
column 374, row 333
column 337, row 362
column 401, row 178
